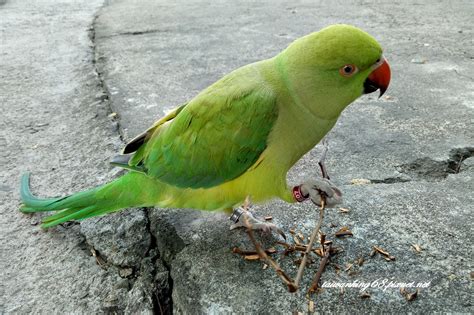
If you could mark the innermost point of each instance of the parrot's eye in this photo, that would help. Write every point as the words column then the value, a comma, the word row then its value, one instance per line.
column 348, row 70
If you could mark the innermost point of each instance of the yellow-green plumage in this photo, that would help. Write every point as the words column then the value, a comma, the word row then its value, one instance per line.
column 238, row 137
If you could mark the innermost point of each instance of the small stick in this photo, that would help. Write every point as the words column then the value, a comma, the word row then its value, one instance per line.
column 300, row 248
column 322, row 266
column 321, row 241
column 283, row 276
column 292, row 248
column 322, row 166
column 242, row 252
column 458, row 168
column 310, row 244
column 326, row 253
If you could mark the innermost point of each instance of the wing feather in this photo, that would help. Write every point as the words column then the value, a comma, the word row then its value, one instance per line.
column 212, row 139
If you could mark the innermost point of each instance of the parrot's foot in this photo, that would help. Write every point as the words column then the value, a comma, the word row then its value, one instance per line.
column 243, row 218
column 317, row 190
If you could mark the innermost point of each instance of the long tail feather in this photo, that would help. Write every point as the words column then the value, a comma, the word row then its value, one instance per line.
column 30, row 202
column 82, row 205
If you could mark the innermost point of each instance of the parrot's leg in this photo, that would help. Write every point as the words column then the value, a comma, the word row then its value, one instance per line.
column 243, row 218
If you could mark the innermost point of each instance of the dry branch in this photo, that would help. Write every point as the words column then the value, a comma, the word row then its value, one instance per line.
column 322, row 266
column 310, row 244
column 283, row 276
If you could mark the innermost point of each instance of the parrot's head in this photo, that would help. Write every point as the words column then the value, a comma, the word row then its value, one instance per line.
column 338, row 64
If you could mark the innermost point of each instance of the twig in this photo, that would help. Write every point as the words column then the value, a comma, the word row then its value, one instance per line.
column 239, row 251
column 322, row 265
column 322, row 240
column 387, row 255
column 158, row 301
column 458, row 168
column 327, row 252
column 310, row 244
column 283, row 276
column 292, row 248
column 344, row 231
column 321, row 163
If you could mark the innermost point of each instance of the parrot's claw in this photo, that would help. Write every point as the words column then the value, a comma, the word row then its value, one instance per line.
column 242, row 218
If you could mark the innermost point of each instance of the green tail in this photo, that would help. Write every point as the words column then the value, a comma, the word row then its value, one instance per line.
column 98, row 201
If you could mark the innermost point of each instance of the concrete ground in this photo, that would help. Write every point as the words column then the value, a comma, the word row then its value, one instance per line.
column 80, row 78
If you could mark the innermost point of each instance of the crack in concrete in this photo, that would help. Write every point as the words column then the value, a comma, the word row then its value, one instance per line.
column 134, row 33
column 103, row 86
column 430, row 169
column 162, row 300
column 463, row 75
column 159, row 298
column 389, row 180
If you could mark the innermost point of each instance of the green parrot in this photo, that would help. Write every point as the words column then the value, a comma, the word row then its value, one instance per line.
column 239, row 137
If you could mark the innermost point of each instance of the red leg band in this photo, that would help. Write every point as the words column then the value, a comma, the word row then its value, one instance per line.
column 298, row 194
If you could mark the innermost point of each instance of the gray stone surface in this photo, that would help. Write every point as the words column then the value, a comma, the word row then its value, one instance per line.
column 122, row 240
column 411, row 148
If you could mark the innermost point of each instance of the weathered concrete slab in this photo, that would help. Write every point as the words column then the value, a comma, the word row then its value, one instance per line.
column 54, row 123
column 155, row 55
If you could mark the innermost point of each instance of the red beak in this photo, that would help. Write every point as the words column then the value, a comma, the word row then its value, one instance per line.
column 378, row 79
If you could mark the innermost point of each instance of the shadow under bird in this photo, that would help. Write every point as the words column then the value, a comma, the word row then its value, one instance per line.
column 239, row 137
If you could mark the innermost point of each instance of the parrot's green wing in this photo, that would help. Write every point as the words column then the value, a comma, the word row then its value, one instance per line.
column 213, row 139
column 139, row 140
